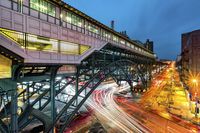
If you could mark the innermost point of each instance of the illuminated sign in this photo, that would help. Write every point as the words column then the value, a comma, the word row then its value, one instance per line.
column 5, row 67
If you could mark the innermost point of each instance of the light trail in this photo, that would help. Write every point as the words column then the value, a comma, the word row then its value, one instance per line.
column 103, row 103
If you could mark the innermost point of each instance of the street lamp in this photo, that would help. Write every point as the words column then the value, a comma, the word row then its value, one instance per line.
column 195, row 83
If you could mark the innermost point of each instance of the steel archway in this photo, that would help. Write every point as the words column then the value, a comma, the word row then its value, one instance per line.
column 70, row 109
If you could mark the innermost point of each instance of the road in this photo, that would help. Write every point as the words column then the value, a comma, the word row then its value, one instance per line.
column 161, row 109
column 167, row 98
column 151, row 120
column 112, row 117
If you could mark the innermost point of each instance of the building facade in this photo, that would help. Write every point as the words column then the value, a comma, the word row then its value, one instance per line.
column 190, row 59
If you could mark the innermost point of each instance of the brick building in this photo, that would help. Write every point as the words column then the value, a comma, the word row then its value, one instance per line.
column 190, row 53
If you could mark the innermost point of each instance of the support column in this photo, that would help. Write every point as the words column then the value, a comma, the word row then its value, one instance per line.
column 149, row 70
column 52, row 93
column 118, row 72
column 104, row 59
column 93, row 67
column 77, row 81
column 146, row 67
column 113, row 57
column 14, row 104
column 27, row 91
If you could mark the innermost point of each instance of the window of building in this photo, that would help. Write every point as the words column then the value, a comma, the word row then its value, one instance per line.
column 38, row 43
column 115, row 38
column 69, row 17
column 35, row 4
column 128, row 44
column 122, row 41
column 51, row 10
column 92, row 28
column 43, row 6
column 109, row 36
column 74, row 19
column 106, row 35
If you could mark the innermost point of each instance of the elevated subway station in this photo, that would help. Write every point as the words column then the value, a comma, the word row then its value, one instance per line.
column 46, row 46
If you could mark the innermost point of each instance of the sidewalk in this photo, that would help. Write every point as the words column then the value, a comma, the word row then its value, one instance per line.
column 181, row 104
column 168, row 98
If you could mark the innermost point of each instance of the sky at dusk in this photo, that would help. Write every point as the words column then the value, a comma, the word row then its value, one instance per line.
column 162, row 21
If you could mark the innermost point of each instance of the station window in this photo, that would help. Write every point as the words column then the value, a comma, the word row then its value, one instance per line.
column 38, row 43
column 128, row 44
column 69, row 17
column 109, row 36
column 51, row 10
column 92, row 28
column 115, row 38
column 43, row 6
column 74, row 19
column 106, row 34
column 35, row 4
column 122, row 41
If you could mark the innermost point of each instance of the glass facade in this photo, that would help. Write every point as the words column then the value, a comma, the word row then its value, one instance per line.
column 41, row 43
column 35, row 4
column 115, row 38
column 92, row 28
column 13, row 35
column 105, row 34
column 43, row 6
column 38, row 43
column 122, row 41
column 73, row 19
column 83, row 48
column 69, row 48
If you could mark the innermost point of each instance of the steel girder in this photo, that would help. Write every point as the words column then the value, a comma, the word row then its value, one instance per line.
column 8, row 109
column 119, row 64
column 44, row 94
column 5, row 103
column 70, row 109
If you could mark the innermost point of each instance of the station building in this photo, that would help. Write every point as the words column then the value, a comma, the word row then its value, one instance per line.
column 54, row 31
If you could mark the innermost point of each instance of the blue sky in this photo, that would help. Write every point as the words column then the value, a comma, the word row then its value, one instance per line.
column 162, row 21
